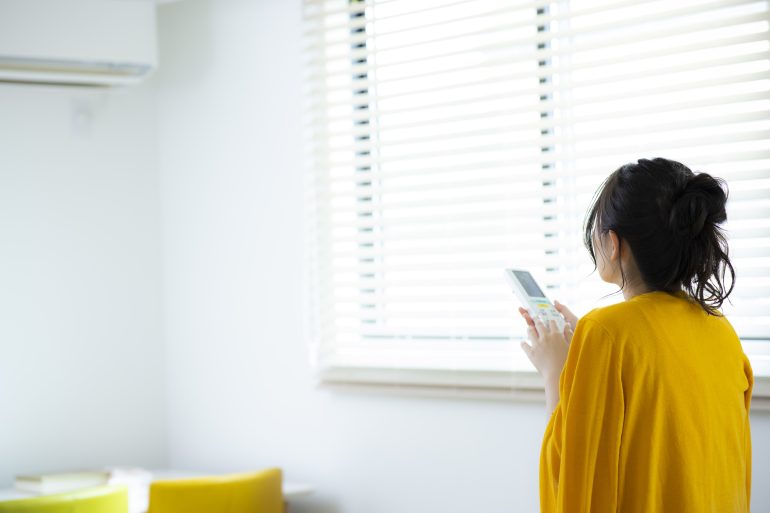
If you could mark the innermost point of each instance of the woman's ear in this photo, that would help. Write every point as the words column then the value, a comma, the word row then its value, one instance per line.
column 614, row 246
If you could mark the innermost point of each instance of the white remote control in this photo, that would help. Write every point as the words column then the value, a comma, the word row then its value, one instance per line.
column 532, row 296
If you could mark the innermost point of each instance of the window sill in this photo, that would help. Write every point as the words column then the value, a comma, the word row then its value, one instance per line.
column 516, row 385
column 526, row 386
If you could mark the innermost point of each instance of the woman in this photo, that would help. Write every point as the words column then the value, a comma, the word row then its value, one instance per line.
column 650, row 397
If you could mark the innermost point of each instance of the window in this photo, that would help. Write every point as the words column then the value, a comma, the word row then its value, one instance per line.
column 452, row 139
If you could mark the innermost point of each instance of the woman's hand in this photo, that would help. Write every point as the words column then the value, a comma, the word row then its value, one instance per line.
column 549, row 345
column 567, row 314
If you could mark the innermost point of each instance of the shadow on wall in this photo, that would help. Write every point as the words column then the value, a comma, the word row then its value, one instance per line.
column 192, row 45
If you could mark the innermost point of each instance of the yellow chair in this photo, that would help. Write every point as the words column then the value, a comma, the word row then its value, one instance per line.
column 101, row 499
column 259, row 492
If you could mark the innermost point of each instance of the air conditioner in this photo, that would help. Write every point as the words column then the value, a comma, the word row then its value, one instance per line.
column 77, row 42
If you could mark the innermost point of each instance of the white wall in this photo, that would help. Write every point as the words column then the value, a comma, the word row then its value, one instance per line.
column 240, row 391
column 81, row 360
column 84, row 379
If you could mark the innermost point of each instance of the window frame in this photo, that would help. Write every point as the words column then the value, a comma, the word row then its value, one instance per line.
column 519, row 383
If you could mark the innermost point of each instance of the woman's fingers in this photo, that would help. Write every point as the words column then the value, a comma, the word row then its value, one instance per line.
column 565, row 311
column 553, row 326
column 528, row 319
column 570, row 317
column 524, row 313
column 533, row 335
column 568, row 333
column 546, row 348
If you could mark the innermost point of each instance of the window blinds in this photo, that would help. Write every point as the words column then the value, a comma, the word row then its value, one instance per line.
column 450, row 139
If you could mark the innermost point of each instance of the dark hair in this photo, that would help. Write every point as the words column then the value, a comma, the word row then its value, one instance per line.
column 670, row 218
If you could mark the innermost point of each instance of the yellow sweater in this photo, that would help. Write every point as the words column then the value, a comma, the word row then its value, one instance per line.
column 653, row 416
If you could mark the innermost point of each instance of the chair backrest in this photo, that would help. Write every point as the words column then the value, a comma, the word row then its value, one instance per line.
column 258, row 492
column 100, row 499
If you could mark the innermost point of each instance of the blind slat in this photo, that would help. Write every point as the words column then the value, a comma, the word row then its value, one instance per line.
column 505, row 178
column 607, row 133
column 524, row 164
column 492, row 114
column 628, row 38
column 513, row 78
column 546, row 90
column 540, row 54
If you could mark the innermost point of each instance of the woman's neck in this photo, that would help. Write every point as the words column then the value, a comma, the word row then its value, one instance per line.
column 635, row 288
column 629, row 277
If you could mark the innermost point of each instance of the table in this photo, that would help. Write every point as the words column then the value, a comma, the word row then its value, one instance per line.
column 139, row 490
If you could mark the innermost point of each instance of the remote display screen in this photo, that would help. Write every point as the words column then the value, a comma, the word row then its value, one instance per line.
column 529, row 284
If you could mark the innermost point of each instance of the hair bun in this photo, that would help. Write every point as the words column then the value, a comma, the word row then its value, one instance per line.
column 700, row 203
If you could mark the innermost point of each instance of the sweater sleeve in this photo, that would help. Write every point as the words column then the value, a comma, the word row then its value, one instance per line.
column 747, row 433
column 581, row 446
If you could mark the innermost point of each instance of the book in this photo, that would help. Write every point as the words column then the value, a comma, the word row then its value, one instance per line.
column 60, row 482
